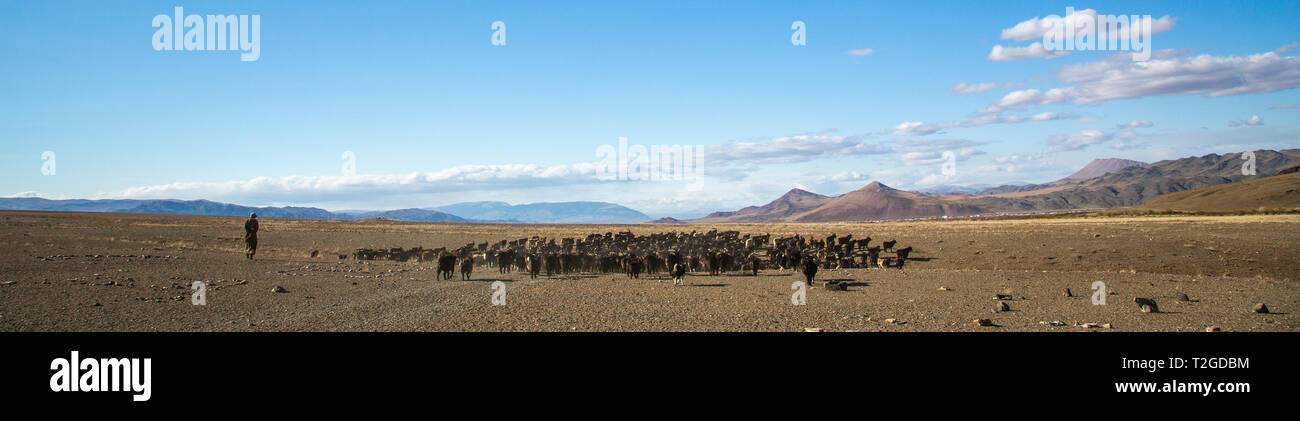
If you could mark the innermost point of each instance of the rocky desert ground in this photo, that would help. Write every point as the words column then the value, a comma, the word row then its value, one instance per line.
column 63, row 271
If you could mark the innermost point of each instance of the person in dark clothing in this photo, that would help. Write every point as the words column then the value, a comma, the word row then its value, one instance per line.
column 250, row 236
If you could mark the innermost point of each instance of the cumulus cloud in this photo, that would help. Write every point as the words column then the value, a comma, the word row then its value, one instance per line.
column 918, row 128
column 1287, row 48
column 862, row 52
column 936, row 157
column 962, row 88
column 1254, row 120
column 33, row 194
column 1031, row 51
column 843, row 177
column 1171, row 72
column 969, row 88
column 1077, row 141
column 1135, row 124
column 932, row 145
column 790, row 149
column 1037, row 27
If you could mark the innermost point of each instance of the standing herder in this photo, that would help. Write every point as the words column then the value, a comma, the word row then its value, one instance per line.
column 250, row 236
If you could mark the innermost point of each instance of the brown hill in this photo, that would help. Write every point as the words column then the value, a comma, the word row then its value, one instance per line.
column 793, row 203
column 1100, row 167
column 1131, row 185
column 878, row 201
column 1277, row 192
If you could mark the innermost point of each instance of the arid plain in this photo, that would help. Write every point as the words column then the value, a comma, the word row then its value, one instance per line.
column 133, row 272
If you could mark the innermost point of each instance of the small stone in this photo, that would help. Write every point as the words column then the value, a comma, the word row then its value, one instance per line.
column 1260, row 308
column 813, row 329
column 1213, row 329
column 1089, row 325
column 1002, row 297
column 944, row 289
column 278, row 288
column 96, row 304
column 1067, row 293
column 1002, row 307
column 1182, row 297
column 984, row 322
column 835, row 286
column 1106, row 326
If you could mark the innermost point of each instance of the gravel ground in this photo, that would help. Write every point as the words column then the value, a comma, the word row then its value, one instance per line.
column 126, row 272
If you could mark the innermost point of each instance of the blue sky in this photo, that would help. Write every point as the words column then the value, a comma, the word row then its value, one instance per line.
column 436, row 114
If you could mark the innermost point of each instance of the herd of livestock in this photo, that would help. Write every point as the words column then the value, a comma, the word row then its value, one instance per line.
column 674, row 253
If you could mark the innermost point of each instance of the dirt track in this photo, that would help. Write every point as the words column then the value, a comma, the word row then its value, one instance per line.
column 56, row 268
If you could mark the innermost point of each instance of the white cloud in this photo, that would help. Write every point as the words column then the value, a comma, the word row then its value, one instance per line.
column 1285, row 106
column 1077, row 141
column 1135, row 124
column 842, row 177
column 936, row 157
column 790, row 149
column 862, row 52
column 33, row 194
column 1254, row 120
column 1287, row 48
column 1035, row 28
column 918, row 128
column 1170, row 72
column 933, row 145
column 968, row 88
column 1031, row 51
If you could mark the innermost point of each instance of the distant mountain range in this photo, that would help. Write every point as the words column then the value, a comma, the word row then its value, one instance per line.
column 207, row 207
column 1094, row 169
column 1103, row 183
column 551, row 212
column 559, row 212
column 791, row 204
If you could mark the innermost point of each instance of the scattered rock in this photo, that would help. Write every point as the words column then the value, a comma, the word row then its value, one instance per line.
column 97, row 304
column 984, row 322
column 1053, row 323
column 1182, row 297
column 1106, row 326
column 1147, row 305
column 1002, row 307
column 944, row 289
column 813, row 329
column 1089, row 325
column 1213, row 329
column 278, row 288
column 1002, row 297
column 8, row 282
column 1067, row 293
column 1260, row 308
